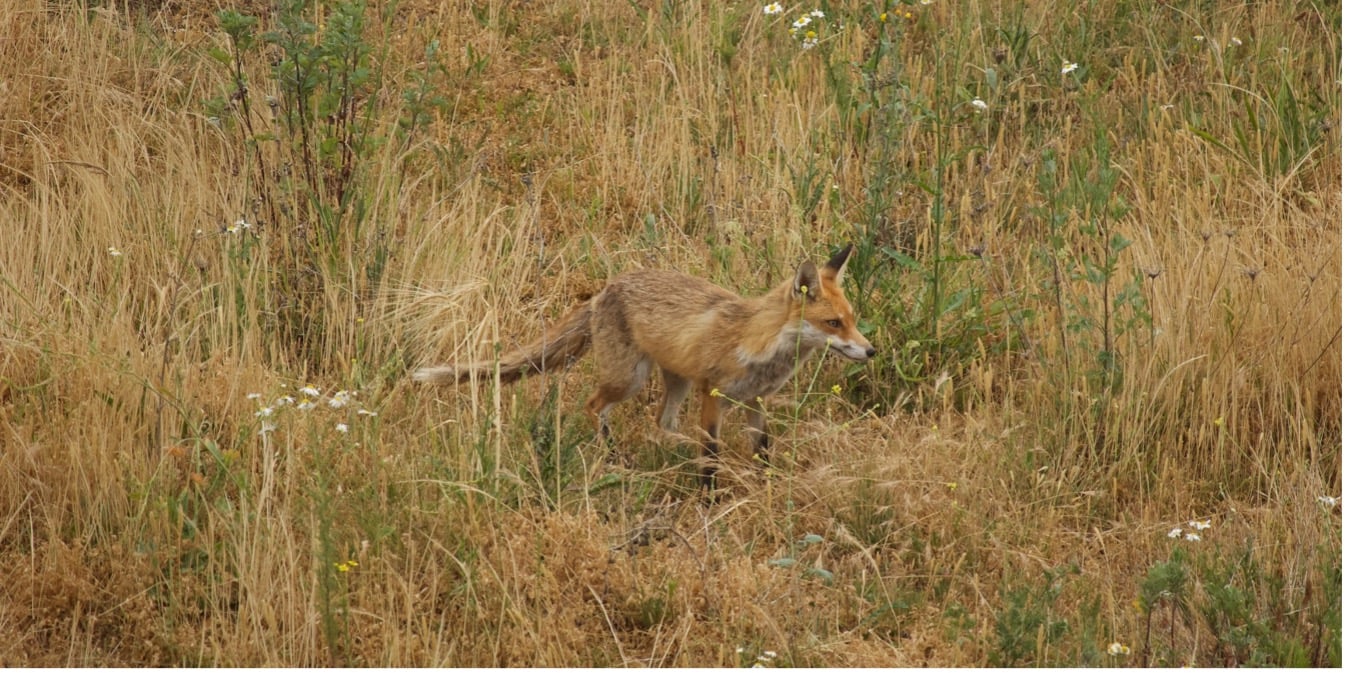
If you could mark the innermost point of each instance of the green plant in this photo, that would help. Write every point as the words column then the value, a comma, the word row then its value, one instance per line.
column 870, row 516
column 1028, row 621
column 1257, row 619
column 1253, row 614
column 555, row 460
column 654, row 607
column 305, row 159
column 1100, row 308
column 1272, row 128
column 951, row 320
column 1165, row 585
column 332, row 604
column 793, row 558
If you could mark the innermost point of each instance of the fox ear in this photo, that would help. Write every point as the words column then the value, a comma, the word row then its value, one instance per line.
column 806, row 283
column 838, row 263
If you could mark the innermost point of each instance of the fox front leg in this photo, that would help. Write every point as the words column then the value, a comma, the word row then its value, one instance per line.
column 757, row 432
column 712, row 406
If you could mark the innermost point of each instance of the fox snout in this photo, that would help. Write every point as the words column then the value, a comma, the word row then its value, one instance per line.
column 856, row 352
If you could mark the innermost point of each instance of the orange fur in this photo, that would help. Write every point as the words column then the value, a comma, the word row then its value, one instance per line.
column 730, row 347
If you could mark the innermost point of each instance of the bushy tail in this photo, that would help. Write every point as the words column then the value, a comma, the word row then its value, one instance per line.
column 559, row 347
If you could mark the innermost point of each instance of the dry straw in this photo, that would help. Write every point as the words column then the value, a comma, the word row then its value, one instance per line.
column 153, row 513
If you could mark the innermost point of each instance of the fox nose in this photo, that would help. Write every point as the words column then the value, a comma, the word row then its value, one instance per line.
column 870, row 352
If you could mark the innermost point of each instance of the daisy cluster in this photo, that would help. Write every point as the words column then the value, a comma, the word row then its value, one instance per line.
column 1194, row 533
column 310, row 398
column 805, row 28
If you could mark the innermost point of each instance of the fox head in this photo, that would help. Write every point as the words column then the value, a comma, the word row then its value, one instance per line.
column 826, row 318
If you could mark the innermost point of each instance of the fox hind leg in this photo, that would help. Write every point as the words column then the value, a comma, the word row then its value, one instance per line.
column 622, row 370
column 622, row 367
column 675, row 391
column 616, row 384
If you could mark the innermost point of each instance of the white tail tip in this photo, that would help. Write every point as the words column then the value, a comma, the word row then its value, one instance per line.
column 426, row 375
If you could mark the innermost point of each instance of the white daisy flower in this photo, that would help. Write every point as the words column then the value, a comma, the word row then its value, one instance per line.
column 339, row 399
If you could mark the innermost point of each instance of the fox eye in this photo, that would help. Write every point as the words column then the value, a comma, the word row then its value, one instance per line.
column 835, row 323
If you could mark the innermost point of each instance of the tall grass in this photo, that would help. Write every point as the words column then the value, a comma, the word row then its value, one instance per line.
column 1106, row 298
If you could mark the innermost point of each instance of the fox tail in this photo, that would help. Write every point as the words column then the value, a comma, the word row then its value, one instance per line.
column 558, row 348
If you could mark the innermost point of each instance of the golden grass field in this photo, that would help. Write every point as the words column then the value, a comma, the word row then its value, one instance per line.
column 211, row 452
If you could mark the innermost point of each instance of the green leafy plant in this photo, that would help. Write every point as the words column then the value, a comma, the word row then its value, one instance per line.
column 302, row 135
column 1027, row 621
column 1256, row 619
column 794, row 556
column 1100, row 306
column 1213, row 606
column 952, row 320
column 556, row 443
column 1165, row 585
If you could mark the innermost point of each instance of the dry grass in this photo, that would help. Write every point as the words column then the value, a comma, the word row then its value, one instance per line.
column 147, row 519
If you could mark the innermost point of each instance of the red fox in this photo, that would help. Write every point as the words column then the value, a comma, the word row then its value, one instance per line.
column 732, row 348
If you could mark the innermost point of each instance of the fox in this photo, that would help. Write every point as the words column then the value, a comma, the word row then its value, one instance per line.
column 732, row 349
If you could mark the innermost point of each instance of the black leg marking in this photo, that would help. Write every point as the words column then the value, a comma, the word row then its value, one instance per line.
column 760, row 445
column 711, row 454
